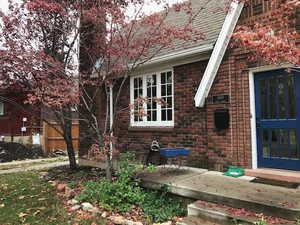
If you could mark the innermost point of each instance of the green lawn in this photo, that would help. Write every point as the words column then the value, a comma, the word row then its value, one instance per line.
column 26, row 199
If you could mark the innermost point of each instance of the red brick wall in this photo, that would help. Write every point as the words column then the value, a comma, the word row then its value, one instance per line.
column 233, row 145
column 190, row 122
column 194, row 127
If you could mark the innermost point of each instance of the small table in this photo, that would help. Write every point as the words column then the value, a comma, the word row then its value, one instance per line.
column 174, row 153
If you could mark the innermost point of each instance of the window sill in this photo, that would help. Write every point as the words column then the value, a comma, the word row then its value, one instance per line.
column 151, row 129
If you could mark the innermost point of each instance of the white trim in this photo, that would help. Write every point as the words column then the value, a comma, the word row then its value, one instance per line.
column 180, row 54
column 269, row 68
column 157, row 123
column 218, row 53
column 252, row 72
column 253, row 120
column 153, row 68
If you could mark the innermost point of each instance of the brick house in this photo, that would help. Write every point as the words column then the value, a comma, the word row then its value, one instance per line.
column 224, row 108
column 15, row 115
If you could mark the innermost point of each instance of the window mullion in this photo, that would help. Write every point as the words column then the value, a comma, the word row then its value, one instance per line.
column 173, row 98
column 144, row 83
column 158, row 77
column 132, row 100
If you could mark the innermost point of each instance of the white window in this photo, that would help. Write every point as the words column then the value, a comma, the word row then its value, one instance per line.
column 153, row 99
column 1, row 108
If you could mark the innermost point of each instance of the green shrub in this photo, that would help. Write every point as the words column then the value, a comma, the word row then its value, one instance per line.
column 125, row 192
column 158, row 206
column 112, row 195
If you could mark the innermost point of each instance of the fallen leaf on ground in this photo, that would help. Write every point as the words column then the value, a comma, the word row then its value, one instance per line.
column 22, row 214
column 36, row 212
column 21, row 197
column 41, row 199
column 2, row 206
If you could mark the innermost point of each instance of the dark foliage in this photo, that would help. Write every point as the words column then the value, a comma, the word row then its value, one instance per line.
column 10, row 151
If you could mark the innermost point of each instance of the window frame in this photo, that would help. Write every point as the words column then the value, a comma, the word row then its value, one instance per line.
column 3, row 109
column 159, row 122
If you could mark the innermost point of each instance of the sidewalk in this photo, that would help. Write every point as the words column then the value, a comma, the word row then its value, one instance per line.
column 240, row 192
column 36, row 167
column 27, row 161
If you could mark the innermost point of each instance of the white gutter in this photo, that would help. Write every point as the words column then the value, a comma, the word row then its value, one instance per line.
column 218, row 53
column 181, row 54
column 111, row 117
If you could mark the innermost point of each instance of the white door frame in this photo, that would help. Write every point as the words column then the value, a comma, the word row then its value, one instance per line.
column 252, row 71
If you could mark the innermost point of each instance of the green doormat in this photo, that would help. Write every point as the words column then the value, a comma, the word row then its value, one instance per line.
column 234, row 171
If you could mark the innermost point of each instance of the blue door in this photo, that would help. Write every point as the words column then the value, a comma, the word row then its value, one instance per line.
column 277, row 101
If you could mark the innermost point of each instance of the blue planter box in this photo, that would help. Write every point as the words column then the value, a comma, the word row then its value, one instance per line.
column 173, row 152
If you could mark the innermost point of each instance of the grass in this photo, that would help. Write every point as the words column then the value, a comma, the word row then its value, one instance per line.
column 26, row 199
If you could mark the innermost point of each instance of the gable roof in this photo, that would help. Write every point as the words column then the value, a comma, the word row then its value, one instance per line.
column 217, row 24
column 209, row 21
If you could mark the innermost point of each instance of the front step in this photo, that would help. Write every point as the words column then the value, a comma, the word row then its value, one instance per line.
column 275, row 174
column 194, row 220
column 220, row 214
column 234, row 192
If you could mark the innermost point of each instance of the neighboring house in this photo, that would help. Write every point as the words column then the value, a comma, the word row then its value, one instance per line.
column 224, row 108
column 17, row 120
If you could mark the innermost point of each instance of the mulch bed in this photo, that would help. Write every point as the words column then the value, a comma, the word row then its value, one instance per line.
column 75, row 180
column 10, row 151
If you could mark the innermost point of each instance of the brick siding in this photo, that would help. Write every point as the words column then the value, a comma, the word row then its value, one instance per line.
column 194, row 127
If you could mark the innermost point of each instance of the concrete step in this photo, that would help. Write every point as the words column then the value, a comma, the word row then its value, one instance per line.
column 234, row 192
column 275, row 174
column 224, row 215
column 194, row 220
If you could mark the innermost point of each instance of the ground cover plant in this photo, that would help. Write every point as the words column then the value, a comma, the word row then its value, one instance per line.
column 27, row 199
column 125, row 193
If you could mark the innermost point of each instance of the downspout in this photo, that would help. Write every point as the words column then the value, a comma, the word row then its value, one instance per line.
column 111, row 118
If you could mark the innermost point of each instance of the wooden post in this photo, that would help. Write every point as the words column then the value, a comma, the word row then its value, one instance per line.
column 45, row 138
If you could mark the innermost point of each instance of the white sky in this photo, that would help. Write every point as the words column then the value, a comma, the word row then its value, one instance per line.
column 149, row 8
column 3, row 5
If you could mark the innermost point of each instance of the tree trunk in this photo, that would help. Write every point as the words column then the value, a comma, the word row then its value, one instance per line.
column 71, row 154
column 69, row 143
column 108, row 168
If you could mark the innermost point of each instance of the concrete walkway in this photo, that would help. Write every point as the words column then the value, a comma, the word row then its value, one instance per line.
column 35, row 167
column 235, row 192
column 28, row 161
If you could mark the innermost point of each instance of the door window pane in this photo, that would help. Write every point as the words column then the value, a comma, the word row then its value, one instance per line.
column 272, row 98
column 265, row 143
column 291, row 97
column 294, row 152
column 263, row 99
column 283, row 143
column 277, row 97
column 282, row 98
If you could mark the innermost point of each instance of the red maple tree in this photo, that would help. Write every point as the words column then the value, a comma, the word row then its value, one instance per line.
column 41, row 40
column 274, row 39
